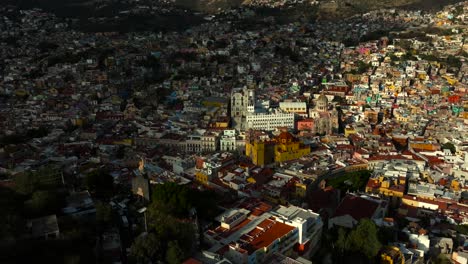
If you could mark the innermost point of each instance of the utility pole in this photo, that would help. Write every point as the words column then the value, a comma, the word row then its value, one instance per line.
column 143, row 210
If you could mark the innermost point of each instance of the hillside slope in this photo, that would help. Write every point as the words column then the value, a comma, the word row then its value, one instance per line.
column 337, row 8
column 343, row 8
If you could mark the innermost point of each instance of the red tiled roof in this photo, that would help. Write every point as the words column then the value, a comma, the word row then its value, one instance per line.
column 192, row 261
column 223, row 250
column 434, row 160
column 387, row 157
column 8, row 184
column 272, row 231
column 362, row 151
column 442, row 203
column 398, row 188
column 356, row 207
column 286, row 136
column 411, row 211
column 373, row 183
column 256, row 206
column 325, row 198
column 344, row 147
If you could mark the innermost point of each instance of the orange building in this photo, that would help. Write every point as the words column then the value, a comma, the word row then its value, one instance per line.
column 424, row 146
column 305, row 124
column 386, row 187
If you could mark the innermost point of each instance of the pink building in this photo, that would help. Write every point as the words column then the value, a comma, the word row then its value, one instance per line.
column 306, row 124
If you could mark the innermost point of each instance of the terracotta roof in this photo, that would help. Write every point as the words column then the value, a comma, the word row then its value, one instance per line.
column 373, row 183
column 442, row 203
column 323, row 198
column 192, row 261
column 386, row 157
column 407, row 210
column 285, row 135
column 356, row 207
column 272, row 230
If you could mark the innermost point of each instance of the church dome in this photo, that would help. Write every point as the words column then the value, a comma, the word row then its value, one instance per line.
column 322, row 99
column 322, row 103
column 285, row 137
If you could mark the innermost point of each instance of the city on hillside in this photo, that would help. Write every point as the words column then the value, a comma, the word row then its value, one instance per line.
column 271, row 132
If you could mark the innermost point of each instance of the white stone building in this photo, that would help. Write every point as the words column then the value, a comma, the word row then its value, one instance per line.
column 227, row 141
column 269, row 121
column 201, row 143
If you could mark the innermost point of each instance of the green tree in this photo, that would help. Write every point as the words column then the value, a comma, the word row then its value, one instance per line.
column 146, row 248
column 43, row 203
column 429, row 57
column 449, row 146
column 73, row 259
column 174, row 254
column 387, row 235
column 462, row 229
column 339, row 99
column 37, row 133
column 393, row 57
column 11, row 222
column 100, row 182
column 358, row 181
column 103, row 213
column 120, row 153
column 364, row 239
column 442, row 259
column 169, row 228
column 172, row 198
column 453, row 61
column 45, row 177
column 40, row 200
column 185, row 236
column 178, row 200
column 342, row 242
column 348, row 42
column 362, row 67
column 360, row 242
column 11, row 225
column 26, row 183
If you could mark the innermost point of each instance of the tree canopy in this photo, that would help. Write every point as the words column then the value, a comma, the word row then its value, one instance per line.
column 179, row 200
column 164, row 227
column 146, row 248
column 362, row 240
column 449, row 146
column 100, row 182
column 103, row 213
column 169, row 218
column 442, row 259
column 44, row 178
column 43, row 203
column 11, row 222
column 174, row 253
column 352, row 181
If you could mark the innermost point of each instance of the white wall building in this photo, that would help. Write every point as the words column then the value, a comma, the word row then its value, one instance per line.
column 269, row 121
column 227, row 142
column 201, row 143
column 275, row 231
column 308, row 223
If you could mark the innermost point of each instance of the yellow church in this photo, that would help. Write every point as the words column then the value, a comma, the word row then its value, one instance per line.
column 282, row 148
column 288, row 147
